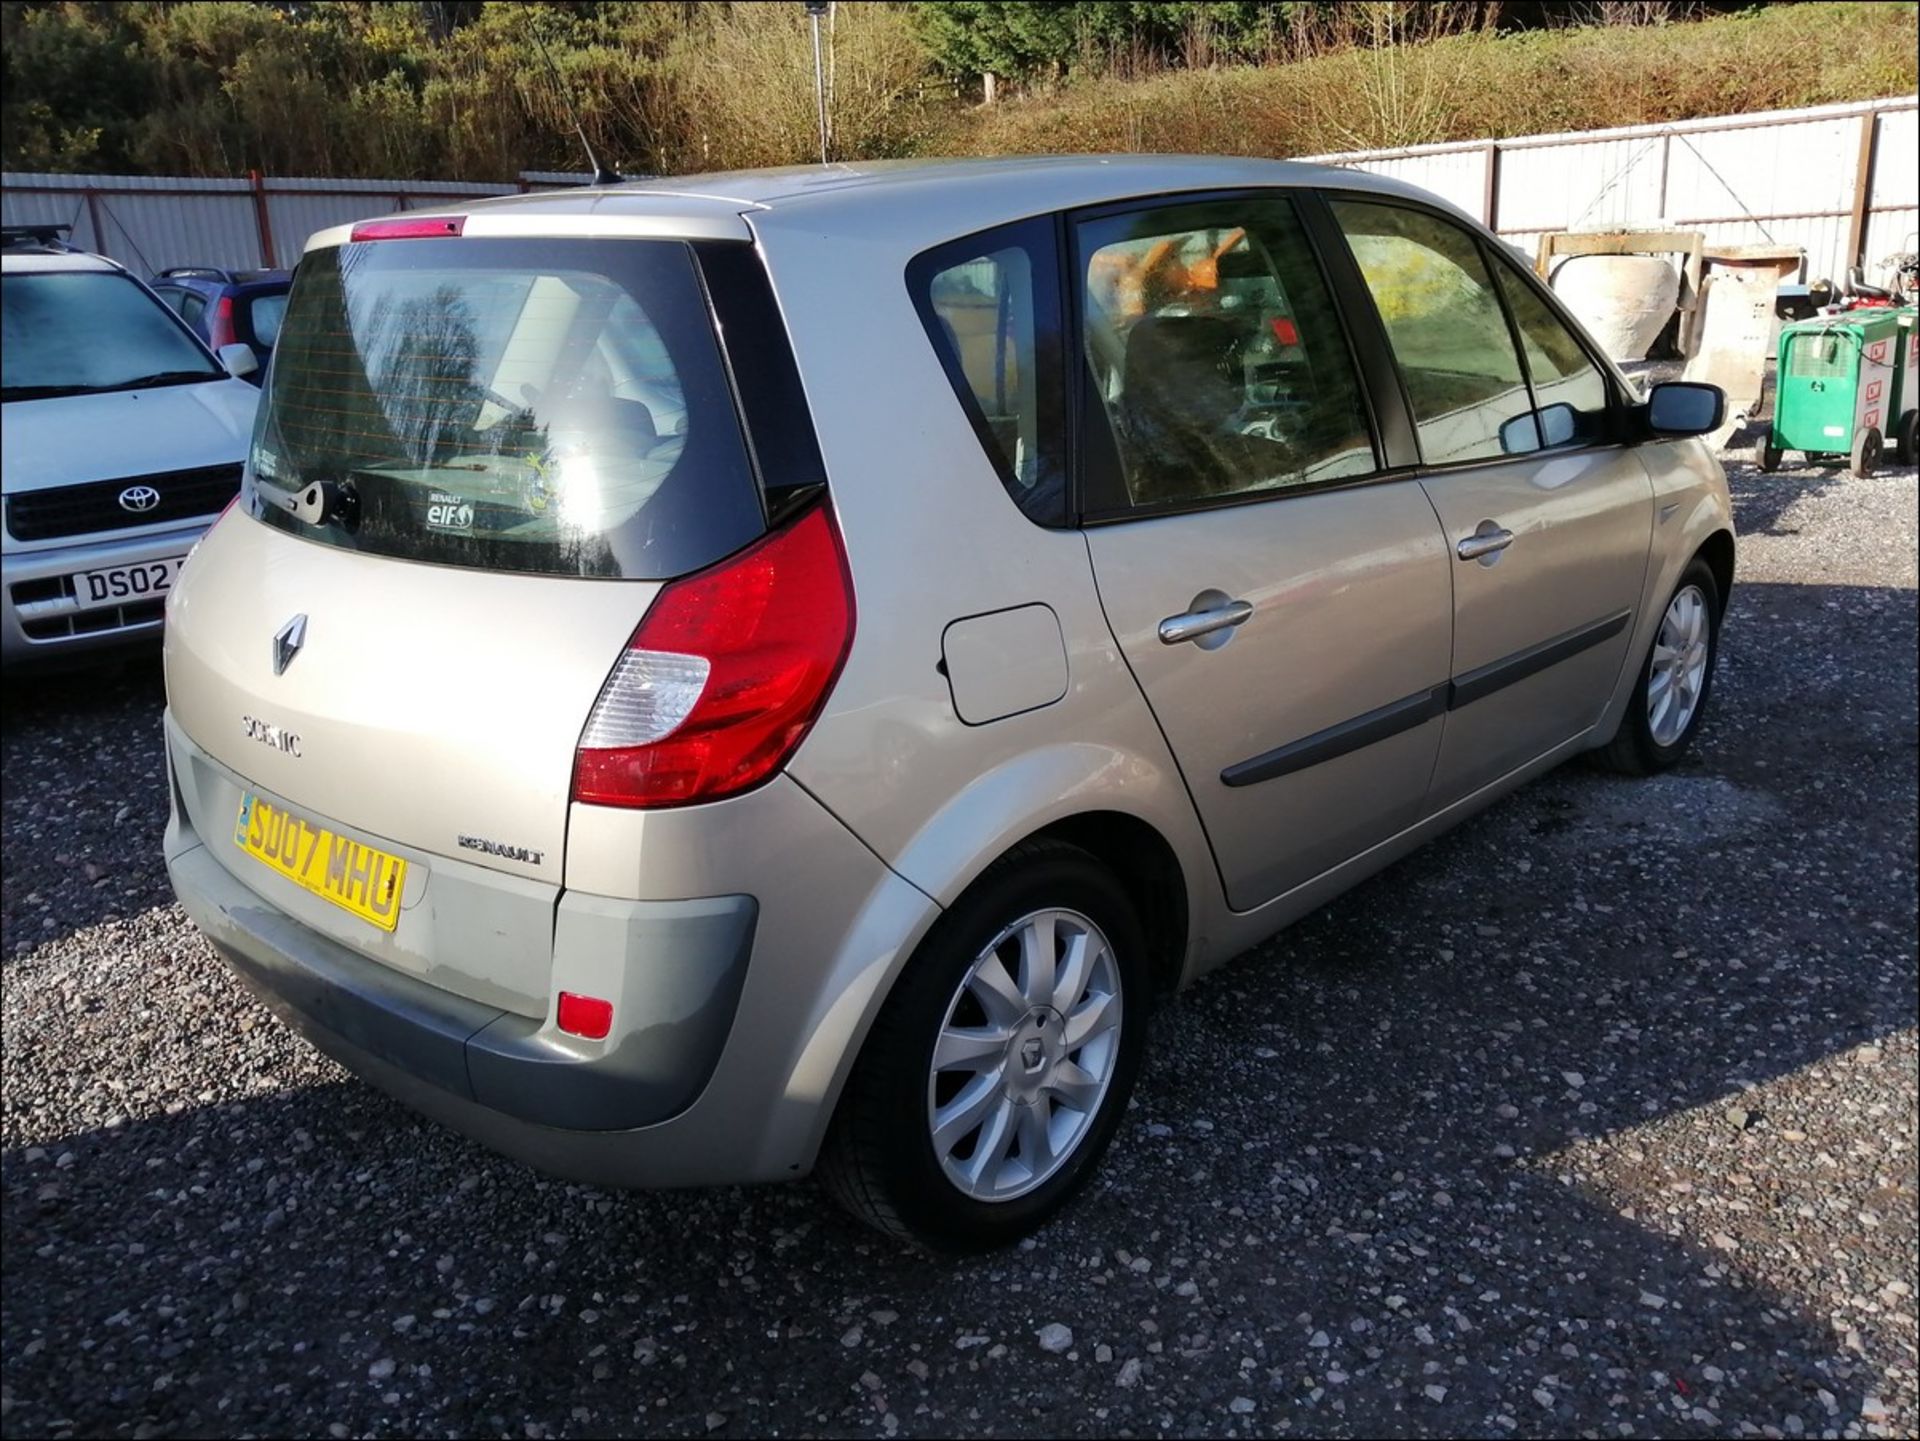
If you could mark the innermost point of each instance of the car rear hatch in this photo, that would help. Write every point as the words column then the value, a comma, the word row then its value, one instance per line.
column 479, row 461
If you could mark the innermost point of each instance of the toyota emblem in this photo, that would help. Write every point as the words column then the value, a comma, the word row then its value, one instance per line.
column 138, row 498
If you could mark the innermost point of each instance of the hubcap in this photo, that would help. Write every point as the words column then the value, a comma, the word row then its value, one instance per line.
column 1679, row 670
column 1026, row 1052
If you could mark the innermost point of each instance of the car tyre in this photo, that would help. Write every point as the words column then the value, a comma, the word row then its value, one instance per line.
column 1867, row 446
column 1678, row 666
column 883, row 1160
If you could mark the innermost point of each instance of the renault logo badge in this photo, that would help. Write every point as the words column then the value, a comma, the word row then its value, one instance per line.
column 287, row 642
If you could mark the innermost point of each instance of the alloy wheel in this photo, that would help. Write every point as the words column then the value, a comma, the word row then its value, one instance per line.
column 1025, row 1055
column 1679, row 670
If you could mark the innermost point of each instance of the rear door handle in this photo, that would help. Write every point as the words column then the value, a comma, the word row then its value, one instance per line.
column 1489, row 540
column 1195, row 623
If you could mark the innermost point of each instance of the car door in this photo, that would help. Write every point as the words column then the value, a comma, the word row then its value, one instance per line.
column 1283, row 604
column 1548, row 518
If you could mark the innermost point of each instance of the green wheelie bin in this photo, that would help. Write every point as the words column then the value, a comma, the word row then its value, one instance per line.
column 1844, row 386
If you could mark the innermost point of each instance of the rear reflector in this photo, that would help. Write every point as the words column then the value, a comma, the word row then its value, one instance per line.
column 587, row 1016
column 725, row 674
column 409, row 227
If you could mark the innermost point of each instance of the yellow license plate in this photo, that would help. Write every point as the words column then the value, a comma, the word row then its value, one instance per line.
column 356, row 878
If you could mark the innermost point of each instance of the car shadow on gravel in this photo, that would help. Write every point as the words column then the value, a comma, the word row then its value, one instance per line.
column 81, row 766
column 1349, row 1197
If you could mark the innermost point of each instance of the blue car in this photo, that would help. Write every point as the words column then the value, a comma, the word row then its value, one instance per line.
column 224, row 306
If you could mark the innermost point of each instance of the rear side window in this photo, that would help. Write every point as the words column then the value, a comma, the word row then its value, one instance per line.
column 990, row 304
column 1448, row 331
column 1213, row 347
column 555, row 406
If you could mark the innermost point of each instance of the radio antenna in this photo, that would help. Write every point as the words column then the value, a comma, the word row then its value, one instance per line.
column 602, row 174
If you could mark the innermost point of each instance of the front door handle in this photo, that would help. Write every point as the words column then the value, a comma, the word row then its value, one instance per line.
column 1193, row 624
column 1488, row 540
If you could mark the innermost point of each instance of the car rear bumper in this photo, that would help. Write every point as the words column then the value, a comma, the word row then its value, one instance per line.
column 681, row 965
column 735, row 1016
column 40, row 616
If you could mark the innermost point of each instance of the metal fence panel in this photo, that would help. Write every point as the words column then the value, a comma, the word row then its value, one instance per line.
column 1783, row 177
column 1459, row 176
column 296, row 216
column 151, row 222
column 36, row 207
column 1779, row 177
column 1896, row 160
column 146, row 222
column 148, row 233
column 1598, row 185
column 1757, row 172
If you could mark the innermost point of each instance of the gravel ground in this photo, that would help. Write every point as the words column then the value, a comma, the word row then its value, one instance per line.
column 1597, row 1117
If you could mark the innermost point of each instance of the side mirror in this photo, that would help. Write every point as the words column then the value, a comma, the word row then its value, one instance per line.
column 239, row 360
column 1559, row 425
column 1518, row 436
column 1685, row 407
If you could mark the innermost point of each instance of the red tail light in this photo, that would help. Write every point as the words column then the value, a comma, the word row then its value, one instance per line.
column 409, row 227
column 724, row 676
column 220, row 331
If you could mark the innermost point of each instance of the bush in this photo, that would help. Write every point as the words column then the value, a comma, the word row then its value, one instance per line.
column 1472, row 85
column 454, row 89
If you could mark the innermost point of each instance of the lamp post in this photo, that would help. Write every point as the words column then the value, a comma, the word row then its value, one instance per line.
column 815, row 9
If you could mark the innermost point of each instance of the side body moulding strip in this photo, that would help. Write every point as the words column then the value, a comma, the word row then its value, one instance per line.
column 1403, row 715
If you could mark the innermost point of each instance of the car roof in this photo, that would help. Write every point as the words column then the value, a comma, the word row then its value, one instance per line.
column 220, row 279
column 18, row 260
column 928, row 200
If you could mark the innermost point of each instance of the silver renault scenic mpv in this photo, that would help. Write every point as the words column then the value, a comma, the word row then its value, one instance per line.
column 712, row 678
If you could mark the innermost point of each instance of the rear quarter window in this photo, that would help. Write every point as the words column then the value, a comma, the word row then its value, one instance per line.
column 991, row 307
column 553, row 406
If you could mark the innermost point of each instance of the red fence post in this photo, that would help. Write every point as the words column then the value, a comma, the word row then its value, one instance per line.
column 262, row 219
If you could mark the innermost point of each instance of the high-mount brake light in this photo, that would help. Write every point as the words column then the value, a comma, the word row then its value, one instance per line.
column 409, row 227
column 725, row 674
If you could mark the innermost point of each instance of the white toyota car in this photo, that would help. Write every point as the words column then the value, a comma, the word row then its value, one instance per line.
column 122, row 438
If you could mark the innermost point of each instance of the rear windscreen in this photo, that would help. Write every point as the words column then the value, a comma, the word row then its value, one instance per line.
column 556, row 406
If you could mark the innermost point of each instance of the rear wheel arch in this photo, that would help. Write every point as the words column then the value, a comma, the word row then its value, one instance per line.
column 1149, row 869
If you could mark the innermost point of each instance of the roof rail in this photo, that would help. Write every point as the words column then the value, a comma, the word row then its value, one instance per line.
column 52, row 237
